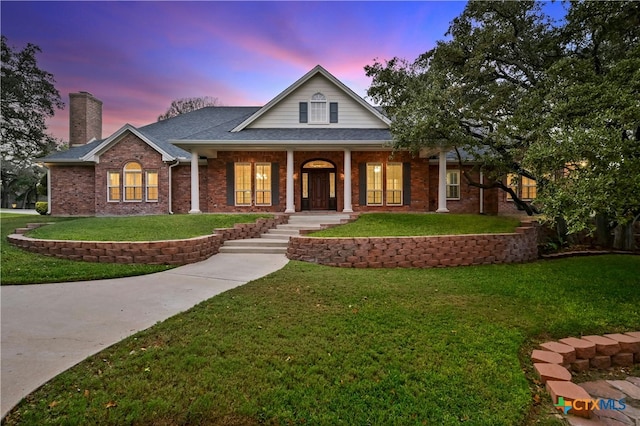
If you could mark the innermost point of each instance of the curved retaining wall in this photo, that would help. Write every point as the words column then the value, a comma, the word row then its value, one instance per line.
column 168, row 252
column 418, row 252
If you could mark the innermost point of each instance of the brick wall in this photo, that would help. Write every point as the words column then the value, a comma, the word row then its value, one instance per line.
column 418, row 252
column 171, row 252
column 72, row 190
column 128, row 149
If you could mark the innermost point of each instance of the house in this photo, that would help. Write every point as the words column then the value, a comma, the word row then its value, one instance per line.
column 315, row 146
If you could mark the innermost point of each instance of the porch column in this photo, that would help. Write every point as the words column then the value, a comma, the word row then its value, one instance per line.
column 290, row 208
column 442, row 183
column 195, row 183
column 347, row 182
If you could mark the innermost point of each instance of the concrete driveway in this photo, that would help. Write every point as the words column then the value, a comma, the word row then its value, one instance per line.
column 48, row 328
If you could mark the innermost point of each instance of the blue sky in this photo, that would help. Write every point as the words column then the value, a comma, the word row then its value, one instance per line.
column 139, row 56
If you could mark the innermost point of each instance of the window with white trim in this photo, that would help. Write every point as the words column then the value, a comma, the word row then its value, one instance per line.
column 453, row 184
column 132, row 182
column 394, row 184
column 242, row 175
column 374, row 184
column 318, row 109
column 113, row 186
column 263, row 184
column 151, row 180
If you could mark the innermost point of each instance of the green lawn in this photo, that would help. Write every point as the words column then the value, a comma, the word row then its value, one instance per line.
column 141, row 228
column 407, row 224
column 22, row 267
column 317, row 345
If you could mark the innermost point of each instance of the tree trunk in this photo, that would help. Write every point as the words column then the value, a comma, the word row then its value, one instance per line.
column 603, row 233
column 623, row 237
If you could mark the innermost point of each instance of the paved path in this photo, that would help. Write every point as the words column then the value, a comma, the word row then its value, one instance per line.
column 48, row 328
column 618, row 415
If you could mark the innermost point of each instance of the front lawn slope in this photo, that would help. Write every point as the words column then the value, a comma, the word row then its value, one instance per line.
column 326, row 346
column 414, row 224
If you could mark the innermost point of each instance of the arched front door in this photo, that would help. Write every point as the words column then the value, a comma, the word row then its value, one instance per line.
column 318, row 185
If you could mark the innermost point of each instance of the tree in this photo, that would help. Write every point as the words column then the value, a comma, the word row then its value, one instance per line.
column 184, row 105
column 591, row 131
column 29, row 97
column 522, row 94
column 472, row 92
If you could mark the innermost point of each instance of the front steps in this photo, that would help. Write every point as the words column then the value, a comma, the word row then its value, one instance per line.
column 276, row 240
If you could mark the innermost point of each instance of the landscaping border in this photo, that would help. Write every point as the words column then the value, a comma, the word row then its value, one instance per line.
column 553, row 360
column 418, row 252
column 164, row 252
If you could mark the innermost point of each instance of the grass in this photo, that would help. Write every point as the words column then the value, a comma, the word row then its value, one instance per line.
column 141, row 228
column 403, row 224
column 317, row 345
column 22, row 267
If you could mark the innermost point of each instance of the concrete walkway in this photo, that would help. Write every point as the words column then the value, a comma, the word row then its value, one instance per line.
column 48, row 328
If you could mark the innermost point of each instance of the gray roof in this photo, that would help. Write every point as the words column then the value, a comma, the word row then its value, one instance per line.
column 215, row 124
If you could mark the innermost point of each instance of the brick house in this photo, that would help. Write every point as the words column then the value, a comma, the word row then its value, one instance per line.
column 315, row 146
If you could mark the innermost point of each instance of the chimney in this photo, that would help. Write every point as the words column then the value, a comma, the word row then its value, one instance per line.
column 85, row 118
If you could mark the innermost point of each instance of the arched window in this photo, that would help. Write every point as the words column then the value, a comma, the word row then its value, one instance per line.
column 318, row 108
column 132, row 182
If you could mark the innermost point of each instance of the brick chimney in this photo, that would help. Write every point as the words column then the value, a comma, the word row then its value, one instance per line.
column 85, row 118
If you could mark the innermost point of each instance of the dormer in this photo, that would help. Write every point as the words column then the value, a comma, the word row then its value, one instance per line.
column 317, row 100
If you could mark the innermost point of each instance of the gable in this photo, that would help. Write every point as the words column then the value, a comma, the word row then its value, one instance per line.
column 286, row 113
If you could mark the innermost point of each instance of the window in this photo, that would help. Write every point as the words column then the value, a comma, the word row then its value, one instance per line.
column 305, row 185
column 243, row 184
column 132, row 182
column 263, row 184
column 529, row 189
column 394, row 184
column 318, row 109
column 113, row 186
column 152, row 185
column 374, row 184
column 453, row 184
column 524, row 187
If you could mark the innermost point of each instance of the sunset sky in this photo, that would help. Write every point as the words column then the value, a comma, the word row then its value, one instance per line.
column 139, row 56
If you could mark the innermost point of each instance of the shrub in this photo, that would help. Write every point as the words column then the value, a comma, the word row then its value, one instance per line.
column 42, row 207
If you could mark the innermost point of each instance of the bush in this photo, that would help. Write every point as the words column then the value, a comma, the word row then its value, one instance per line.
column 42, row 207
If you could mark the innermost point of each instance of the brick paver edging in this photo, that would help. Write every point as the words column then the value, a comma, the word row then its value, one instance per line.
column 418, row 252
column 166, row 252
column 554, row 360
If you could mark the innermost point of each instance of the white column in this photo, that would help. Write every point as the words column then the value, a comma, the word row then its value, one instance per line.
column 195, row 183
column 347, row 182
column 48, row 190
column 442, row 183
column 290, row 208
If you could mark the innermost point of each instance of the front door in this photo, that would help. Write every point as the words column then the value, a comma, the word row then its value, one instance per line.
column 318, row 185
column 319, row 190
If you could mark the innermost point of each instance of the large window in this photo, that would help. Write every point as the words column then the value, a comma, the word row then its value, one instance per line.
column 263, row 184
column 113, row 186
column 132, row 182
column 318, row 108
column 152, row 185
column 242, row 174
column 453, row 184
column 374, row 184
column 524, row 187
column 529, row 188
column 394, row 184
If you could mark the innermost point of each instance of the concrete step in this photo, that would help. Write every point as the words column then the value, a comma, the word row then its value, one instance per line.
column 283, row 237
column 259, row 242
column 278, row 231
column 252, row 250
column 299, row 226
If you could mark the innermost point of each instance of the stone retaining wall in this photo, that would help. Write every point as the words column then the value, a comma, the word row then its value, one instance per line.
column 418, row 252
column 168, row 252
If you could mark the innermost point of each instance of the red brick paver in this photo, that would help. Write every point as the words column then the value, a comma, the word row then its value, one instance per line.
column 584, row 348
column 567, row 352
column 604, row 345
